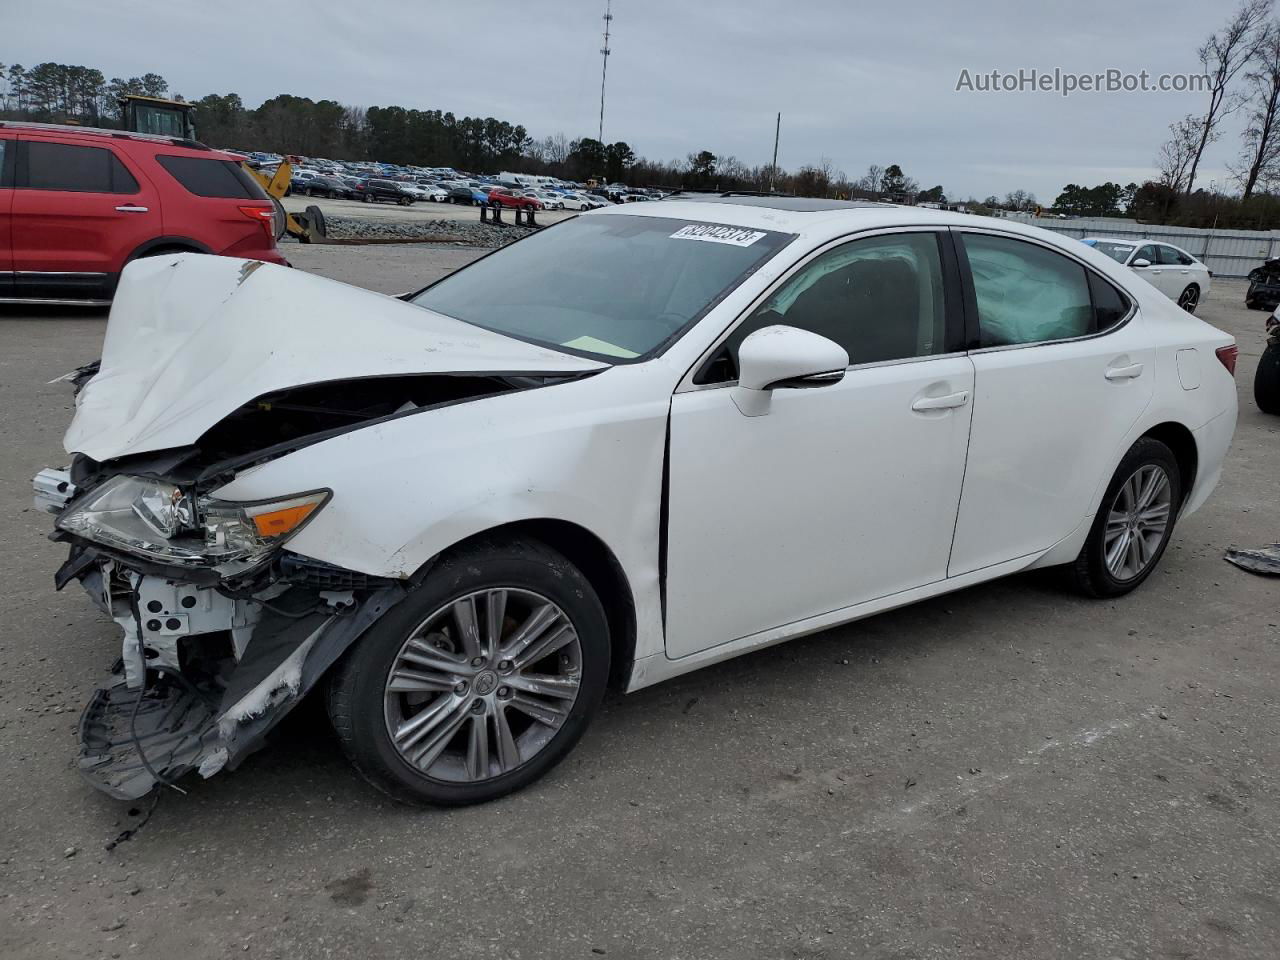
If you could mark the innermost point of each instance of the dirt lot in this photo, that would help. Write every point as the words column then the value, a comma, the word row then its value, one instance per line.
column 1005, row 772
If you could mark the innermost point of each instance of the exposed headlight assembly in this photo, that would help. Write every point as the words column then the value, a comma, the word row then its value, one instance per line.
column 157, row 520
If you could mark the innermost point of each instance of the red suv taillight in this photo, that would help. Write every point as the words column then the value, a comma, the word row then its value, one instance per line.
column 1228, row 357
column 265, row 216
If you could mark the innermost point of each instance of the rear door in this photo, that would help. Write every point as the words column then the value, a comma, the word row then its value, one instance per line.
column 8, row 153
column 1063, row 369
column 79, row 209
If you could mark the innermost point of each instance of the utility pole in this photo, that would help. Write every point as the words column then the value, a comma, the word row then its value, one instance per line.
column 604, row 62
column 773, row 170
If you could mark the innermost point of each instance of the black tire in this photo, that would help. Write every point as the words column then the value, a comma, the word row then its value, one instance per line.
column 1189, row 299
column 1266, row 380
column 365, row 198
column 356, row 691
column 1089, row 572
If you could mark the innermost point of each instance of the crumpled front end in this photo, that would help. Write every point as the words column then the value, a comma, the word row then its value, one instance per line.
column 208, row 663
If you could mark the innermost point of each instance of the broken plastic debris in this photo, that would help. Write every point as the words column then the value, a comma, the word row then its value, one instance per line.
column 1262, row 560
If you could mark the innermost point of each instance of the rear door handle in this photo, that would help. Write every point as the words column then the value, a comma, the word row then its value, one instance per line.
column 1130, row 372
column 942, row 403
column 130, row 208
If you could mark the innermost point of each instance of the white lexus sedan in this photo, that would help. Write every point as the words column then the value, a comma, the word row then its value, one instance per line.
column 1171, row 270
column 643, row 440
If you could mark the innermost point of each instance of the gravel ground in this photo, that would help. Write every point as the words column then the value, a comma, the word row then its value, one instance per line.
column 1005, row 772
column 468, row 233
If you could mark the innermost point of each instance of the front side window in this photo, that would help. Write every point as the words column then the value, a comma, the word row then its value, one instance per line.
column 881, row 298
column 1147, row 253
column 611, row 287
column 76, row 169
column 1026, row 293
column 1118, row 252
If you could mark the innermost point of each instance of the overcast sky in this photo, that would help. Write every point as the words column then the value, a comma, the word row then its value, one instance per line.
column 856, row 82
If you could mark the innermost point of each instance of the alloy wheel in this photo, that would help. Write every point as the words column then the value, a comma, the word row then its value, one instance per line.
column 482, row 685
column 1137, row 522
column 1190, row 299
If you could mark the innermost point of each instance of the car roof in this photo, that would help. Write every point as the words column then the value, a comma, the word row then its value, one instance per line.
column 1127, row 241
column 70, row 130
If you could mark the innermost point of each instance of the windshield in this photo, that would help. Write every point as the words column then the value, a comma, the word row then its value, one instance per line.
column 611, row 287
column 1118, row 252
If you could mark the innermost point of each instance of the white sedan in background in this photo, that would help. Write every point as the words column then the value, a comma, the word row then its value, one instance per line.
column 574, row 201
column 652, row 438
column 1171, row 270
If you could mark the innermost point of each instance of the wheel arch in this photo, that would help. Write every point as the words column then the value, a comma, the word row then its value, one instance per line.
column 167, row 244
column 1182, row 442
column 598, row 563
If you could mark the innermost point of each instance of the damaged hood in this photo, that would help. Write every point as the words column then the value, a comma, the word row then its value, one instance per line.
column 193, row 337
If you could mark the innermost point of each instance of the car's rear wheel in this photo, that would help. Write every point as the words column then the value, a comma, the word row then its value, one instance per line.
column 1133, row 524
column 480, row 681
column 1189, row 299
column 365, row 198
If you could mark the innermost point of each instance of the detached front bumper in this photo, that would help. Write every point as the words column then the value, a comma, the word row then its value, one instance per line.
column 206, row 668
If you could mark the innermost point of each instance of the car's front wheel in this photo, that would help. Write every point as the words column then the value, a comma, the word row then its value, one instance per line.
column 1133, row 524
column 478, row 682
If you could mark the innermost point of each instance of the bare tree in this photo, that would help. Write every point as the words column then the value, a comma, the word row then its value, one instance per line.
column 1262, row 135
column 870, row 183
column 1222, row 56
column 557, row 148
column 1178, row 153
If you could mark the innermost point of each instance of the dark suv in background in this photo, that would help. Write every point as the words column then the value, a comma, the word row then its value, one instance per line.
column 78, row 203
column 372, row 190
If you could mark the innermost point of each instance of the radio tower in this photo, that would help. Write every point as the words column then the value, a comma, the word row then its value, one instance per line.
column 604, row 62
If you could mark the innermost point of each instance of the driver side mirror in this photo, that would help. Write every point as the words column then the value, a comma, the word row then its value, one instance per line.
column 780, row 357
column 1141, row 262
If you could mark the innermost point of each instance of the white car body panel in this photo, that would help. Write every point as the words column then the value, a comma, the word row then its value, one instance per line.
column 778, row 525
column 824, row 520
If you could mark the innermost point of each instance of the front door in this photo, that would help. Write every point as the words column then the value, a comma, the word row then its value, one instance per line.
column 838, row 494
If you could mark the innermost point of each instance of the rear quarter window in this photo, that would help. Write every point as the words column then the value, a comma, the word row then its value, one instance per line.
column 210, row 177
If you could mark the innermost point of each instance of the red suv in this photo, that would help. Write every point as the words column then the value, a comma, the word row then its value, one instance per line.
column 77, row 204
column 501, row 196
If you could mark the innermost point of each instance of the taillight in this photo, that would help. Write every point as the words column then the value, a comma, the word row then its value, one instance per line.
column 265, row 216
column 1228, row 357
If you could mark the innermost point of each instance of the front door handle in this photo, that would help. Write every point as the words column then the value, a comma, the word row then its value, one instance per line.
column 1129, row 372
column 131, row 208
column 942, row 403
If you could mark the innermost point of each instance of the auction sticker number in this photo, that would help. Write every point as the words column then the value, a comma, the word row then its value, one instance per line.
column 735, row 236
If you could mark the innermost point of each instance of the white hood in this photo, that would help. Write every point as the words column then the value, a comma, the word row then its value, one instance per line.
column 193, row 337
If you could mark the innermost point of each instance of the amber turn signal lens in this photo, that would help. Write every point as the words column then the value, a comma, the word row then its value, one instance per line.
column 278, row 522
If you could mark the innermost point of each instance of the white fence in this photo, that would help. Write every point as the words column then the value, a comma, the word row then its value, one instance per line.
column 1228, row 253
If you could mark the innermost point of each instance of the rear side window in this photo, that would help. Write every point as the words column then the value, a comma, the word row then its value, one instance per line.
column 1028, row 294
column 75, row 169
column 6, row 160
column 210, row 177
column 1110, row 306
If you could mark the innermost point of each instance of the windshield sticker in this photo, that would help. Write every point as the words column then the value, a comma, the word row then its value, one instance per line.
column 735, row 236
